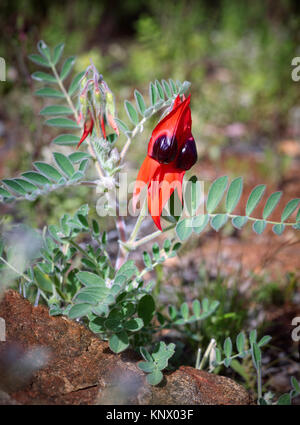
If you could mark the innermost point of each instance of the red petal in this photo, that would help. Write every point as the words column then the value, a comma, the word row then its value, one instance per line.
column 165, row 181
column 88, row 128
column 112, row 123
column 102, row 126
column 175, row 122
column 176, row 103
column 146, row 173
column 84, row 136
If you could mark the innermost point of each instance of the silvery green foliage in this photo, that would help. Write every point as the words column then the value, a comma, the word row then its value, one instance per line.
column 62, row 114
column 44, row 178
column 251, row 347
column 116, row 305
column 198, row 222
column 156, row 361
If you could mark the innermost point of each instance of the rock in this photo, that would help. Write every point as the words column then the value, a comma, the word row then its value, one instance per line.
column 53, row 360
column 5, row 399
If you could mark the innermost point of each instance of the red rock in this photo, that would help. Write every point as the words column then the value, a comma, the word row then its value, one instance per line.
column 66, row 364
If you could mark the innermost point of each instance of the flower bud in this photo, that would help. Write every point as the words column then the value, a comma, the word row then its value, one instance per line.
column 83, row 82
column 110, row 101
column 97, row 94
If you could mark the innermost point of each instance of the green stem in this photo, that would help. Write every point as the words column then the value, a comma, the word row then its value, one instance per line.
column 144, row 271
column 197, row 364
column 75, row 113
column 62, row 87
column 235, row 356
column 129, row 139
column 138, row 223
column 95, row 155
column 255, row 219
column 259, row 387
column 148, row 238
column 211, row 345
column 51, row 189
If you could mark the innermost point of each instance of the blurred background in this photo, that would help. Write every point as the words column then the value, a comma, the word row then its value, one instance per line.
column 246, row 121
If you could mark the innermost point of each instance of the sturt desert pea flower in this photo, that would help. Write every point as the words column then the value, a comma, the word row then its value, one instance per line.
column 97, row 106
column 87, row 129
column 171, row 152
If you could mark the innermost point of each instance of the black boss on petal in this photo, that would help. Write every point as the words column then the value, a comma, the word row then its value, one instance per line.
column 164, row 149
column 187, row 157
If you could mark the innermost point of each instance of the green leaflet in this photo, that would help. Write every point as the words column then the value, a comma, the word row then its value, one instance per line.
column 75, row 83
column 39, row 60
column 48, row 170
column 36, row 178
column 290, row 207
column 184, row 229
column 254, row 198
column 64, row 164
column 234, row 194
column 67, row 66
column 259, row 226
column 49, row 92
column 218, row 221
column 153, row 94
column 56, row 110
column 131, row 112
column 140, row 102
column 216, row 193
column 58, row 50
column 62, row 122
column 66, row 140
column 43, row 76
column 271, row 204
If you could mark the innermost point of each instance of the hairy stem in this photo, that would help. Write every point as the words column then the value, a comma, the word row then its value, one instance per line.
column 129, row 139
column 65, row 93
column 121, row 227
column 255, row 219
column 138, row 223
column 259, row 386
column 95, row 155
column 135, row 244
column 76, row 116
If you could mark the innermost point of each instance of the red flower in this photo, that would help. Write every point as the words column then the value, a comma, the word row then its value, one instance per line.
column 89, row 124
column 87, row 129
column 171, row 151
